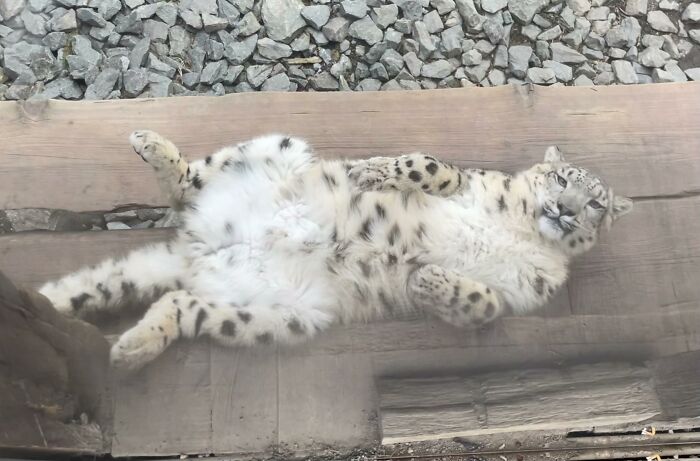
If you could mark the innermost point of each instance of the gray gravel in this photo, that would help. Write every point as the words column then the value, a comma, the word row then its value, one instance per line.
column 75, row 49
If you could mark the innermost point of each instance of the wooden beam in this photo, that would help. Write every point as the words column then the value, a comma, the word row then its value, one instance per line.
column 75, row 155
column 518, row 400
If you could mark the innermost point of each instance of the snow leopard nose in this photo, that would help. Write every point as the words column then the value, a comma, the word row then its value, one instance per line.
column 564, row 211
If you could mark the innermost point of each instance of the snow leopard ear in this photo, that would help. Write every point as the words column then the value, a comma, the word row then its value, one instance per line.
column 553, row 155
column 621, row 206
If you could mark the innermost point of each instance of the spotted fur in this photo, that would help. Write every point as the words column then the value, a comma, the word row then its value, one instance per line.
column 277, row 245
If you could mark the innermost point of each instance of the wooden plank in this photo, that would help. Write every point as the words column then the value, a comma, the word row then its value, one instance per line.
column 47, row 160
column 677, row 380
column 334, row 397
column 649, row 262
column 244, row 400
column 415, row 409
column 166, row 408
column 33, row 258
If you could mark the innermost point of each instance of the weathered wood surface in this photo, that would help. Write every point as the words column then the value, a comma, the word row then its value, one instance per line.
column 634, row 297
column 532, row 399
column 76, row 156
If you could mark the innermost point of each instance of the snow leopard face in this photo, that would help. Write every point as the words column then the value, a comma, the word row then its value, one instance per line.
column 575, row 203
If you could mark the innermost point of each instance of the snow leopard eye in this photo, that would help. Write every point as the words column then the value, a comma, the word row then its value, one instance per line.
column 562, row 182
column 596, row 205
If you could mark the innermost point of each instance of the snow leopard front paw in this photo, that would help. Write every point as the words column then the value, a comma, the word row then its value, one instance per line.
column 154, row 148
column 455, row 299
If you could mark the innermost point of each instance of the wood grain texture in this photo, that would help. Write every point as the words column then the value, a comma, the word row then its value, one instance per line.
column 505, row 402
column 75, row 155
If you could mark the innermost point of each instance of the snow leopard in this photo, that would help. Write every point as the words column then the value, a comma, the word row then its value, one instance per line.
column 277, row 244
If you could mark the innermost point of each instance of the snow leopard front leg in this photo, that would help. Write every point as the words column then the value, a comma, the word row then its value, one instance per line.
column 410, row 172
column 182, row 314
column 454, row 298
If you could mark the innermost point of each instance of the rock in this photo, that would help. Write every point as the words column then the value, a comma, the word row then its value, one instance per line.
column 599, row 13
column 55, row 40
column 446, row 6
column 636, row 7
column 257, row 74
column 693, row 74
column 433, row 22
column 695, row 35
column 424, row 39
column 155, row 30
column 156, row 65
column 137, row 56
column 66, row 88
column 593, row 54
column 108, row 8
column 653, row 57
column 494, row 30
column 279, row 82
column 604, row 78
column 624, row 72
column 412, row 9
column 582, row 80
column 469, row 13
column 365, row 29
column 237, row 52
column 525, row 10
column 518, row 60
column 103, row 84
column 248, row 25
column 317, row 15
column 662, row 76
column 392, row 61
column 167, row 12
column 67, row 21
column 542, row 50
column 531, row 31
column 368, row 84
column 102, row 33
column 179, row 40
column 500, row 58
column 385, row 15
column 215, row 72
column 452, row 41
column 692, row 12
column 540, row 76
column 301, row 43
column 676, row 71
column 378, row 71
column 550, row 34
column 413, row 64
column 34, row 23
column 117, row 225
column 282, row 19
column 88, row 16
column 497, row 77
column 471, row 58
column 354, row 8
column 11, row 8
column 579, row 7
column 135, row 81
column 437, row 69
column 562, row 72
column 130, row 24
column 625, row 34
column 392, row 38
column 659, row 21
column 272, row 50
column 323, row 82
column 616, row 53
column 336, row 29
column 191, row 79
column 493, row 6
column 670, row 5
column 213, row 23
column 477, row 73
column 191, row 18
